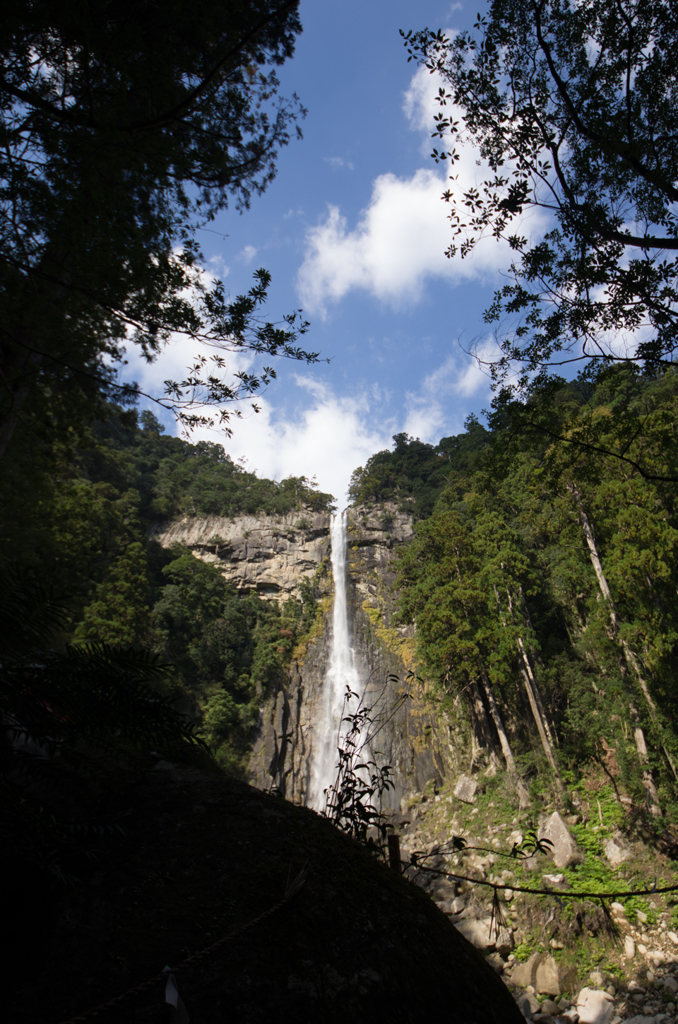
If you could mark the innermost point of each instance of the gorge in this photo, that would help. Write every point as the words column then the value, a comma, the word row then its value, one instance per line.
column 497, row 624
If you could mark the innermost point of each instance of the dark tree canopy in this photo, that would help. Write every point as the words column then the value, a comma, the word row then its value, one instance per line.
column 125, row 126
column 573, row 106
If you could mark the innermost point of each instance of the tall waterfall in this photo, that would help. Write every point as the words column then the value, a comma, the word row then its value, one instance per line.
column 341, row 672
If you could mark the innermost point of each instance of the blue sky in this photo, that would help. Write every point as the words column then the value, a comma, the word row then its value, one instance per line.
column 353, row 230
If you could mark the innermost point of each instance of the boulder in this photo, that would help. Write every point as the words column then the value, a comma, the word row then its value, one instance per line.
column 481, row 933
column 617, row 850
column 527, row 1004
column 465, row 790
column 565, row 851
column 543, row 974
column 594, row 1007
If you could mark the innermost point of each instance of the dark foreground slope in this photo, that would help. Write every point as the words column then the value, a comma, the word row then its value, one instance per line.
column 202, row 857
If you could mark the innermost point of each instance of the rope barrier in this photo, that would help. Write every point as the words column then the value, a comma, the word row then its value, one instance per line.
column 560, row 893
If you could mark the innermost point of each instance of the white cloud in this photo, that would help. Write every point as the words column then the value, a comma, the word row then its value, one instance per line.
column 247, row 254
column 328, row 439
column 337, row 163
column 441, row 403
column 398, row 243
column 328, row 435
column 400, row 239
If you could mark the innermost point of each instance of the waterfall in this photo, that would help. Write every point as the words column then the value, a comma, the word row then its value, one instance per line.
column 341, row 672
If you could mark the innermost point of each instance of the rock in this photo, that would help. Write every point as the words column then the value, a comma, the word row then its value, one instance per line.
column 594, row 1007
column 641, row 917
column 527, row 1004
column 556, row 880
column 481, row 934
column 617, row 850
column 565, row 850
column 269, row 553
column 542, row 973
column 642, row 1019
column 548, row 1006
column 596, row 978
column 465, row 790
column 670, row 983
column 496, row 962
column 642, row 949
column 629, row 947
column 617, row 909
column 673, row 937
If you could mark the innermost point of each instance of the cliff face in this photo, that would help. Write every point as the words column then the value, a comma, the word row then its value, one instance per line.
column 269, row 554
column 274, row 554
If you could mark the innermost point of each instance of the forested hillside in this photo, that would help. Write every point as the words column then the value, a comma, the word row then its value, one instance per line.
column 543, row 583
column 77, row 510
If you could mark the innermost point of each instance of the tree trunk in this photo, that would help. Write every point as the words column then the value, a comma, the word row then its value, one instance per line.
column 482, row 722
column 504, row 741
column 536, row 706
column 629, row 658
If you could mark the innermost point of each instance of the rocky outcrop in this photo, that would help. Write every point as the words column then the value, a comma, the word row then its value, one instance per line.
column 267, row 553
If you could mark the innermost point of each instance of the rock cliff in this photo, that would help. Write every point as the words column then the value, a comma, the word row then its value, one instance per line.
column 267, row 553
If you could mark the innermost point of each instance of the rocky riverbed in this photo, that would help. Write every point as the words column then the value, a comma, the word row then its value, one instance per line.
column 588, row 963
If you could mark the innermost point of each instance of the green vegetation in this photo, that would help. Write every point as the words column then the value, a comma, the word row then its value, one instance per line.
column 415, row 473
column 542, row 584
column 80, row 514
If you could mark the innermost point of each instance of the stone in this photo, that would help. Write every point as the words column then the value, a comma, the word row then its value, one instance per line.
column 465, row 790
column 629, row 947
column 565, row 851
column 481, row 934
column 594, row 1007
column 542, row 973
column 548, row 1006
column 617, row 850
column 617, row 909
column 496, row 962
column 555, row 880
column 527, row 1004
column 596, row 978
column 643, row 1019
column 673, row 937
column 641, row 917
column 670, row 983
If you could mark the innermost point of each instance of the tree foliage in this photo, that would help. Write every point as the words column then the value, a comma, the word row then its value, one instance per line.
column 70, row 715
column 81, row 517
column 573, row 107
column 543, row 582
column 126, row 126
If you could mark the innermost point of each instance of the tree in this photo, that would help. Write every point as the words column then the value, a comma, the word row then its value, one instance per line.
column 126, row 125
column 573, row 106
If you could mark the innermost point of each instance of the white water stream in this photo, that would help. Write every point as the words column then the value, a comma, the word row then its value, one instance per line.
column 341, row 672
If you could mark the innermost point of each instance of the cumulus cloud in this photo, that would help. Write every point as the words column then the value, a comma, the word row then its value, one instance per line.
column 441, row 403
column 328, row 439
column 400, row 239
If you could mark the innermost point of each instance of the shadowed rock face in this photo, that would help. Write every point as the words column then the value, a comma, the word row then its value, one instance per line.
column 205, row 857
